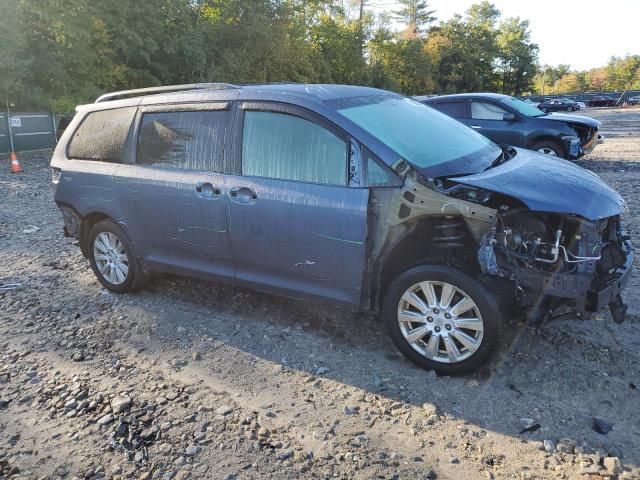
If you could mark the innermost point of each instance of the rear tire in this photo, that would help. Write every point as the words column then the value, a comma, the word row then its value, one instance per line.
column 569, row 109
column 443, row 319
column 113, row 258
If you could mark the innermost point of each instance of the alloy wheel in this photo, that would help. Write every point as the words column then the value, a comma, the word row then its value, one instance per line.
column 111, row 258
column 440, row 321
column 548, row 151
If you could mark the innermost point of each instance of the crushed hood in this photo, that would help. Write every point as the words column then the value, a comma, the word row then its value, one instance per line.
column 548, row 184
column 568, row 118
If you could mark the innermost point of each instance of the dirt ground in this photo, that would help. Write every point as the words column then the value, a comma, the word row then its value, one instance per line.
column 191, row 379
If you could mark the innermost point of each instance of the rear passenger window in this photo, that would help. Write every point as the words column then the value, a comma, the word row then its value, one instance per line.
column 277, row 145
column 183, row 140
column 453, row 109
column 102, row 135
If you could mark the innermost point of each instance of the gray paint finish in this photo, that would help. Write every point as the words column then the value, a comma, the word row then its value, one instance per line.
column 305, row 239
column 295, row 238
column 300, row 236
column 173, row 223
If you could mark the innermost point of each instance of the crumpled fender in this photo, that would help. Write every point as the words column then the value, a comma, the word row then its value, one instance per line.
column 549, row 184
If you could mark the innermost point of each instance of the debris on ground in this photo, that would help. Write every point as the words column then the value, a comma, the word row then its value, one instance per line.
column 192, row 379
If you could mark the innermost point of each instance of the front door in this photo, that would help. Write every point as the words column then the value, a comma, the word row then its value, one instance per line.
column 296, row 226
column 173, row 196
column 488, row 119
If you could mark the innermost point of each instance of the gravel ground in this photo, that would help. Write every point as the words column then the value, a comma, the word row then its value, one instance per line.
column 191, row 379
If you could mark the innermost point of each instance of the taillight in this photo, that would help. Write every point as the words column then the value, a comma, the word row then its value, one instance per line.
column 55, row 175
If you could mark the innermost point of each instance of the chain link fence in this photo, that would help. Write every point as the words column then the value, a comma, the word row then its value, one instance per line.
column 620, row 98
column 29, row 131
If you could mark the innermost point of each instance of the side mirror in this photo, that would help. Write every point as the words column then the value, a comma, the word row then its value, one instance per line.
column 508, row 117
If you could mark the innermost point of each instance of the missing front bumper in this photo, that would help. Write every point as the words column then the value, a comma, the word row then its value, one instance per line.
column 588, row 147
column 610, row 294
column 578, row 289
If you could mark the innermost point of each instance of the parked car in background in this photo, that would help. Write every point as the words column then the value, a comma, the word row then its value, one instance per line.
column 635, row 100
column 559, row 104
column 581, row 105
column 510, row 121
column 602, row 101
column 353, row 195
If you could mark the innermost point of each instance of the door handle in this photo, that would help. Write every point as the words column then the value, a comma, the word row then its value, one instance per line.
column 242, row 195
column 477, row 127
column 207, row 190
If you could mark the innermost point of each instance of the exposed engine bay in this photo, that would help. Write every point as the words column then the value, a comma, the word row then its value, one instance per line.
column 558, row 260
column 558, row 241
column 562, row 246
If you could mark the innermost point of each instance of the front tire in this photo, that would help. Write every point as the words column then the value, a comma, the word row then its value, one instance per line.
column 548, row 148
column 442, row 318
column 113, row 259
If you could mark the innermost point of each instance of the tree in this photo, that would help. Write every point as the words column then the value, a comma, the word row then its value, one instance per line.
column 415, row 14
column 466, row 50
column 517, row 56
column 58, row 54
column 568, row 84
column 622, row 73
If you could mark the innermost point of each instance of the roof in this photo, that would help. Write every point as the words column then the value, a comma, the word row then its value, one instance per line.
column 299, row 93
column 494, row 96
column 321, row 92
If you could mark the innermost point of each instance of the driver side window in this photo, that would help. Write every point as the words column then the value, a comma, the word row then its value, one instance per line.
column 287, row 147
column 486, row 111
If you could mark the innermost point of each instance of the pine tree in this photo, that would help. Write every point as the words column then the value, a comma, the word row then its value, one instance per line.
column 416, row 16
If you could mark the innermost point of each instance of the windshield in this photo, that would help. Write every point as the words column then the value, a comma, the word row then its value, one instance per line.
column 524, row 108
column 421, row 135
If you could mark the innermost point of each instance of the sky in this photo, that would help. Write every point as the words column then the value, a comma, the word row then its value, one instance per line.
column 581, row 33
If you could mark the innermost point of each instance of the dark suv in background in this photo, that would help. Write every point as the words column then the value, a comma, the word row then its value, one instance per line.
column 347, row 194
column 507, row 120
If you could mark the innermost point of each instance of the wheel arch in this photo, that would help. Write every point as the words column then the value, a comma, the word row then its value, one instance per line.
column 419, row 241
column 86, row 224
column 547, row 138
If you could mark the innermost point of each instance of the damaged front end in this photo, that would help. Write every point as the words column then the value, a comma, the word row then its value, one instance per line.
column 560, row 260
column 557, row 235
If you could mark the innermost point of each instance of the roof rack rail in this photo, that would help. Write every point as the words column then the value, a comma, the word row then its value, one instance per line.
column 164, row 89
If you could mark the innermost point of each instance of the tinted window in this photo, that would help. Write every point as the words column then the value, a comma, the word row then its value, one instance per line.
column 453, row 109
column 102, row 135
column 276, row 145
column 183, row 140
column 486, row 111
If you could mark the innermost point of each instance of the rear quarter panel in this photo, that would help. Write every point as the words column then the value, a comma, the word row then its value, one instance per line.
column 84, row 185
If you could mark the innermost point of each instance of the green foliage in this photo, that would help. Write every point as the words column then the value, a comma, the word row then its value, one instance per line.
column 516, row 56
column 619, row 74
column 415, row 14
column 56, row 54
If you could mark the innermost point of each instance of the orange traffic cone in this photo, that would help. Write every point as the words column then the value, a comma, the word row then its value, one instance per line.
column 15, row 164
